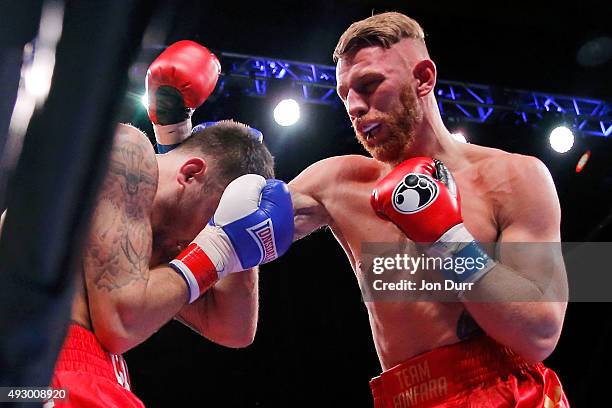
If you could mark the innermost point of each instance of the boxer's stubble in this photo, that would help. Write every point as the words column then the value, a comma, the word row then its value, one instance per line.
column 401, row 124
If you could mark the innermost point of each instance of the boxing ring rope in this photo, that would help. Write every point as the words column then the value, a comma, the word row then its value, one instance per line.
column 51, row 192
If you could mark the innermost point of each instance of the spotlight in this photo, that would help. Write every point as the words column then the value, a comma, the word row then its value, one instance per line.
column 144, row 99
column 561, row 139
column 287, row 112
column 459, row 137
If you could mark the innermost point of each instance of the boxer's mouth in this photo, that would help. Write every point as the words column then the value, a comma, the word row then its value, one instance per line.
column 371, row 130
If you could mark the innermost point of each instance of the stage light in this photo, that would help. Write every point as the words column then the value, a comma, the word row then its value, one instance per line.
column 561, row 139
column 287, row 112
column 144, row 99
column 459, row 137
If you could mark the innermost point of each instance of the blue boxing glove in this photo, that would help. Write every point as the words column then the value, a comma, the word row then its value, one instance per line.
column 252, row 225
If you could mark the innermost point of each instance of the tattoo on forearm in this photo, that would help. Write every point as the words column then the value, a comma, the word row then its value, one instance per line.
column 119, row 246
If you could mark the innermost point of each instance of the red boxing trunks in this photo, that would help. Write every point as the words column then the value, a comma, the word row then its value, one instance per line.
column 91, row 376
column 475, row 373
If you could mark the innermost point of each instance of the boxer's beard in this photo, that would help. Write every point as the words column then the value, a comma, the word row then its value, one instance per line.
column 401, row 124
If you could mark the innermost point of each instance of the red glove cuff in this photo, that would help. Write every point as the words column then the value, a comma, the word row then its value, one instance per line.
column 197, row 269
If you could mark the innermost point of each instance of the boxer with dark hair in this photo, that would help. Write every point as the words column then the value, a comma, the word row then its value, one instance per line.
column 151, row 253
column 463, row 352
column 229, row 152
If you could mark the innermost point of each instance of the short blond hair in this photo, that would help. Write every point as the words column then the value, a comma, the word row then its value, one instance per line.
column 382, row 30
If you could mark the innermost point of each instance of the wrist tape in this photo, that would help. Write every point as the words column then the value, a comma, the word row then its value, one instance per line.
column 175, row 134
column 459, row 244
column 197, row 269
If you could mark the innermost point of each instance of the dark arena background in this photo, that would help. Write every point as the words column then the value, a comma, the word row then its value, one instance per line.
column 508, row 74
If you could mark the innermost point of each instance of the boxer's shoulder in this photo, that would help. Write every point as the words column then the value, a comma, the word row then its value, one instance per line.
column 512, row 182
column 132, row 164
column 501, row 166
column 515, row 168
column 483, row 155
column 525, row 178
column 128, row 135
column 327, row 172
column 362, row 169
column 352, row 168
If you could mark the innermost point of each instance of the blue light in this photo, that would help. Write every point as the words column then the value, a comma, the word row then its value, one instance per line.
column 457, row 100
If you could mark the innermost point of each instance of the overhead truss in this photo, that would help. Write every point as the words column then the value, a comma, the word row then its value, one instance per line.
column 458, row 101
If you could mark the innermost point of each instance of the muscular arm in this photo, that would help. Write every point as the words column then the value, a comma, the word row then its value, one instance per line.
column 227, row 313
column 531, row 268
column 127, row 300
column 306, row 189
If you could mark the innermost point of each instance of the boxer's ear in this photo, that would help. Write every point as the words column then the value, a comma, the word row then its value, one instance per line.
column 425, row 73
column 192, row 170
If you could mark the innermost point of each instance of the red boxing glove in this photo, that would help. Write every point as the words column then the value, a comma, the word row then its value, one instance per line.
column 420, row 197
column 186, row 67
column 179, row 80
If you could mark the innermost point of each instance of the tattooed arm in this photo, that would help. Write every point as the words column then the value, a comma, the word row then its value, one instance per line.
column 128, row 301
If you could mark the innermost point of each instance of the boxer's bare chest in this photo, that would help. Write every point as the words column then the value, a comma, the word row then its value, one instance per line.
column 355, row 223
column 403, row 329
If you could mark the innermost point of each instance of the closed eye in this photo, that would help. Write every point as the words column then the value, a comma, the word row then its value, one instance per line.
column 365, row 84
column 369, row 86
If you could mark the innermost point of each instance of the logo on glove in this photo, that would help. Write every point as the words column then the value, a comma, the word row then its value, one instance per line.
column 414, row 193
column 263, row 235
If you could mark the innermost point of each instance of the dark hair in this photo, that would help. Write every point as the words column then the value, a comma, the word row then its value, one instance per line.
column 382, row 30
column 233, row 150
